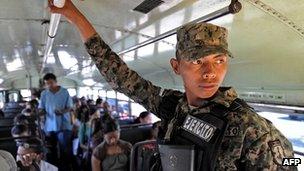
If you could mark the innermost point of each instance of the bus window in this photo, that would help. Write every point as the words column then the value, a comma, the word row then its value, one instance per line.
column 13, row 97
column 123, row 109
column 137, row 109
column 102, row 93
column 2, row 100
column 72, row 92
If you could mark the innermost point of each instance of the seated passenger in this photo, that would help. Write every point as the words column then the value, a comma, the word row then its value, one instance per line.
column 86, row 128
column 113, row 153
column 106, row 109
column 27, row 112
column 21, row 119
column 99, row 104
column 90, row 103
column 144, row 118
column 155, row 130
column 153, row 136
column 29, row 121
column 30, row 108
column 30, row 156
column 34, row 103
column 97, row 135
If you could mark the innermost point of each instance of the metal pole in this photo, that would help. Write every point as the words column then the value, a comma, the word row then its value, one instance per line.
column 233, row 8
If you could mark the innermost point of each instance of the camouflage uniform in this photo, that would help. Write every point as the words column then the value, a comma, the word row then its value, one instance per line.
column 250, row 142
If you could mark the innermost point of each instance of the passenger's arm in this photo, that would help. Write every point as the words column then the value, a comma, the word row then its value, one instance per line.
column 114, row 70
column 68, row 105
column 95, row 164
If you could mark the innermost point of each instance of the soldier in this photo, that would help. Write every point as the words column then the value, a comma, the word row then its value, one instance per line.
column 226, row 132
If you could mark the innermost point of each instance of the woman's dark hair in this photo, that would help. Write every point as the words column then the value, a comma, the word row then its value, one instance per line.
column 98, row 101
column 21, row 119
column 97, row 125
column 90, row 101
column 85, row 112
column 75, row 99
column 49, row 76
column 32, row 143
column 34, row 103
column 142, row 115
column 110, row 125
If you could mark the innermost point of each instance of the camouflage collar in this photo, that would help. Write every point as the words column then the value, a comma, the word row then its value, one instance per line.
column 224, row 96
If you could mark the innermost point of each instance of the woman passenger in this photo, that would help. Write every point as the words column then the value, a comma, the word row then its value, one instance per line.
column 113, row 153
column 144, row 118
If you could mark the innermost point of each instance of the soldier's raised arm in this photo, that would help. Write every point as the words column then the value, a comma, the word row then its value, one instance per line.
column 114, row 70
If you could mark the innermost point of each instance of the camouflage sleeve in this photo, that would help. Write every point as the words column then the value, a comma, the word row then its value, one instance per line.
column 267, row 151
column 120, row 77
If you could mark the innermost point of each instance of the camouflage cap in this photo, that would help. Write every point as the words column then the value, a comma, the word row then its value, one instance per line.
column 201, row 39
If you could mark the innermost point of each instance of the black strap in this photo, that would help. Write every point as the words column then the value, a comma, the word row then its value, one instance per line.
column 222, row 111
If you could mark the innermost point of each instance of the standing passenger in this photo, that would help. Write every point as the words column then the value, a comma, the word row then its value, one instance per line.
column 56, row 102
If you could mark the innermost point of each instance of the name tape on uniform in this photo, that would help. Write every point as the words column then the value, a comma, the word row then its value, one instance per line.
column 199, row 128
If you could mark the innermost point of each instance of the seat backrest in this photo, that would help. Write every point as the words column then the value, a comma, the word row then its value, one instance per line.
column 5, row 132
column 4, row 122
column 8, row 144
column 135, row 134
column 126, row 122
column 143, row 155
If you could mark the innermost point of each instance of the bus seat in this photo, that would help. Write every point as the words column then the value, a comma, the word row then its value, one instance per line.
column 8, row 144
column 143, row 155
column 135, row 133
column 126, row 122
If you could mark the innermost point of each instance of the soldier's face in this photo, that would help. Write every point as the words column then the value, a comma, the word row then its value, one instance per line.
column 202, row 77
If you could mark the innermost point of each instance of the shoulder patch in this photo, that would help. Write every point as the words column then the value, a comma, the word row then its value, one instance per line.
column 277, row 151
column 232, row 131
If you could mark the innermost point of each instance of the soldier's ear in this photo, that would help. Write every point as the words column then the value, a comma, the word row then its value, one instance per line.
column 175, row 65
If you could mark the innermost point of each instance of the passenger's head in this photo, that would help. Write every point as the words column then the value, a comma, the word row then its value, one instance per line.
column 27, row 112
column 111, row 132
column 96, row 125
column 106, row 105
column 33, row 104
column 20, row 130
column 99, row 102
column 155, row 129
column 94, row 113
column 201, row 58
column 77, row 102
column 30, row 150
column 28, row 105
column 50, row 81
column 21, row 119
column 145, row 117
column 84, row 113
column 90, row 102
